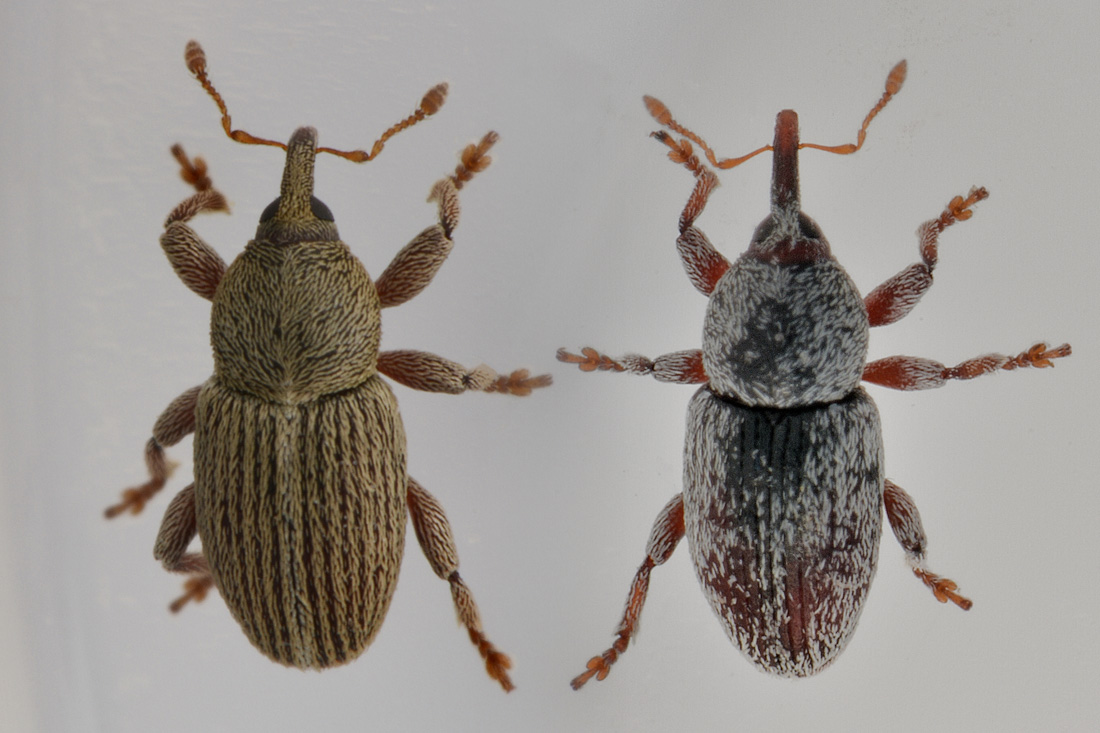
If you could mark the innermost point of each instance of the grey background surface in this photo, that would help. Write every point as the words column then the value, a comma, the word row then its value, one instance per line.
column 568, row 240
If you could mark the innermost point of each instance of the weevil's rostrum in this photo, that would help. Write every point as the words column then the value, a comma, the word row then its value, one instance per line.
column 301, row 491
column 784, row 482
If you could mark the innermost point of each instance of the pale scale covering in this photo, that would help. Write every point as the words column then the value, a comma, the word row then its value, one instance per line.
column 300, row 483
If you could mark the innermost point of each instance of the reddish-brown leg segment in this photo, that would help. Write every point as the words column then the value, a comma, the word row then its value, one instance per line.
column 177, row 530
column 679, row 367
column 193, row 171
column 893, row 300
column 667, row 532
column 702, row 262
column 196, row 262
column 430, row 373
column 174, row 424
column 905, row 521
column 418, row 262
column 680, row 151
column 433, row 531
column 914, row 372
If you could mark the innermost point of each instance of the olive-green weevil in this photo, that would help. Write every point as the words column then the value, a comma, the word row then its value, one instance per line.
column 301, row 492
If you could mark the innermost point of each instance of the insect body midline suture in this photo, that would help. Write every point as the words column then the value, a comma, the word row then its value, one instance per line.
column 301, row 510
column 768, row 520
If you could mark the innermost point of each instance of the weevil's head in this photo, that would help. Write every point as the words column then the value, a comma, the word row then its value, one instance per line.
column 785, row 325
column 297, row 215
column 787, row 236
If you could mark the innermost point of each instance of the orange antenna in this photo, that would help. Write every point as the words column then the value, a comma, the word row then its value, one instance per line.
column 661, row 113
column 195, row 58
column 893, row 85
column 429, row 105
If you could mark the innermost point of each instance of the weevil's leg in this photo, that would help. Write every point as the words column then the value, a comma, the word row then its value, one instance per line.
column 472, row 160
column 193, row 171
column 175, row 423
column 913, row 372
column 177, row 530
column 680, row 151
column 415, row 265
column 893, row 300
column 433, row 531
column 431, row 373
column 679, row 367
column 418, row 262
column 667, row 532
column 196, row 263
column 702, row 262
column 905, row 521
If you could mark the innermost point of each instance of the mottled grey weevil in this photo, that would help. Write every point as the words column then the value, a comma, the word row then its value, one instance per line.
column 783, row 486
column 301, row 492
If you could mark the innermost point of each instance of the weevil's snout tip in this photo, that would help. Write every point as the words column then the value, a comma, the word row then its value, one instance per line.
column 297, row 215
column 304, row 136
column 786, row 132
column 785, row 199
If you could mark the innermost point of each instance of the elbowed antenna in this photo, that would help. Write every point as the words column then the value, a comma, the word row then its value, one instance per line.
column 195, row 58
column 681, row 150
column 894, row 80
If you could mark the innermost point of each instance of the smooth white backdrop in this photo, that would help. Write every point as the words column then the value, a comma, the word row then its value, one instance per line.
column 567, row 240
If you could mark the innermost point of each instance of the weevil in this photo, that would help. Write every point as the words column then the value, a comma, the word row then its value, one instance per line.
column 783, row 487
column 301, row 491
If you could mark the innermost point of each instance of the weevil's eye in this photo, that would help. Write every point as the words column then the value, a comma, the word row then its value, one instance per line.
column 320, row 210
column 317, row 207
column 764, row 230
column 270, row 211
column 808, row 227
